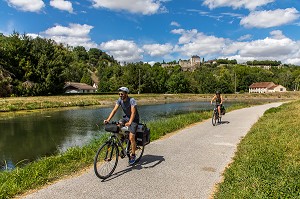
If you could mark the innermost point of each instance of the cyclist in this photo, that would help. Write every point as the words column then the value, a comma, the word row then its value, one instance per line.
column 130, row 119
column 219, row 101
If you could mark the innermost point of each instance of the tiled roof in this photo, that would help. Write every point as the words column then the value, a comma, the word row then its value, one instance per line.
column 80, row 86
column 272, row 87
column 262, row 85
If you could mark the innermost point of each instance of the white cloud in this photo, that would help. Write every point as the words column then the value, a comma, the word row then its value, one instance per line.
column 123, row 50
column 174, row 23
column 192, row 42
column 275, row 47
column 271, row 18
column 251, row 5
column 62, row 5
column 158, row 49
column 25, row 5
column 245, row 37
column 145, row 7
column 33, row 35
column 74, row 35
column 74, row 30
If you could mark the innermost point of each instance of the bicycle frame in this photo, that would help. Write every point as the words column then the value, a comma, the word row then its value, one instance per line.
column 114, row 138
column 106, row 159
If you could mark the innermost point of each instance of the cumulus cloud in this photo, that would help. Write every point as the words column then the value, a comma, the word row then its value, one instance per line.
column 270, row 18
column 123, row 50
column 73, row 35
column 245, row 37
column 24, row 5
column 62, row 5
column 251, row 5
column 192, row 42
column 174, row 23
column 158, row 49
column 145, row 7
column 275, row 47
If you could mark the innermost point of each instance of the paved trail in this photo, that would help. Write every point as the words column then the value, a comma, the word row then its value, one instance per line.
column 186, row 165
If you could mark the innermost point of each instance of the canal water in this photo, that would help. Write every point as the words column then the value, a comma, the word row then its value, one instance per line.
column 27, row 138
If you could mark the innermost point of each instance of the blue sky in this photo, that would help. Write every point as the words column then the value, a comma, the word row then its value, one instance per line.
column 157, row 30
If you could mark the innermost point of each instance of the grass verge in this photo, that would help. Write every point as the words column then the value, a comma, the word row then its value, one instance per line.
column 49, row 169
column 267, row 161
column 17, row 104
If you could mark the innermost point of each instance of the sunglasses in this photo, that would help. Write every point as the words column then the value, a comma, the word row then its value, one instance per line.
column 121, row 94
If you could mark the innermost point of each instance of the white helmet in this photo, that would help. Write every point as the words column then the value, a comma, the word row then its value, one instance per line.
column 124, row 89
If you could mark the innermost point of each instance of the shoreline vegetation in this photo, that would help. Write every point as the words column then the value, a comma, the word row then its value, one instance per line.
column 15, row 106
column 47, row 170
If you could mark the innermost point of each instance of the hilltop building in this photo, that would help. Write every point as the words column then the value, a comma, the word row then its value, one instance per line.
column 187, row 65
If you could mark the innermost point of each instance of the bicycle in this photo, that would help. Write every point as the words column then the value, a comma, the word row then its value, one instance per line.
column 215, row 116
column 118, row 145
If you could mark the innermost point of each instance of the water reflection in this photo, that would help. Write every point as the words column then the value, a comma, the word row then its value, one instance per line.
column 28, row 138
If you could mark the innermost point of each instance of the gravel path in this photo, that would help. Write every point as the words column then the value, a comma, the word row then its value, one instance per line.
column 185, row 165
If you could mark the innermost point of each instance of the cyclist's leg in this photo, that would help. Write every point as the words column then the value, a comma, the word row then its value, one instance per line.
column 219, row 109
column 132, row 129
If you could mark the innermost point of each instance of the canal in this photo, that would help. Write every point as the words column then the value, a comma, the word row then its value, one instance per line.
column 27, row 138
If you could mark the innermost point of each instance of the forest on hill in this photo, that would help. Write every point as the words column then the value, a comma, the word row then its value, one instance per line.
column 38, row 67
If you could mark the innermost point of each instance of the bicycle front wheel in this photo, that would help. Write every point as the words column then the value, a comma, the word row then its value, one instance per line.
column 214, row 119
column 106, row 160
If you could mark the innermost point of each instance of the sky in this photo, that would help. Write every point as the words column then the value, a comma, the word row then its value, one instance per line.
column 164, row 30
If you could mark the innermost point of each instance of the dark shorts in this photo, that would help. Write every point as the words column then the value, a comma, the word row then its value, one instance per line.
column 132, row 128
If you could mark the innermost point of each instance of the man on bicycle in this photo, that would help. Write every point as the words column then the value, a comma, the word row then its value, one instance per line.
column 219, row 100
column 130, row 119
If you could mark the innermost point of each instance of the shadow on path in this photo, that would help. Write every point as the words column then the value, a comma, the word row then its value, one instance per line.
column 146, row 162
column 224, row 122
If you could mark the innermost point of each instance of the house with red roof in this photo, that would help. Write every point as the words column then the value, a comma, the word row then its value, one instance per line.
column 266, row 87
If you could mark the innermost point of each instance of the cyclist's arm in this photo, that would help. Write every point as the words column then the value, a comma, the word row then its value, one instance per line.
column 213, row 99
column 113, row 112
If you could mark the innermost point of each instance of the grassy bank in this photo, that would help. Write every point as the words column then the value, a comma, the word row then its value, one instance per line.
column 13, row 104
column 267, row 161
column 49, row 169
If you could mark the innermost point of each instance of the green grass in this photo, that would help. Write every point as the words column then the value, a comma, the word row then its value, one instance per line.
column 12, row 104
column 49, row 169
column 267, row 161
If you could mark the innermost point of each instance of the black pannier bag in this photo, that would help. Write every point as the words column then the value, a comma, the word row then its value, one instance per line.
column 223, row 110
column 111, row 128
column 142, row 135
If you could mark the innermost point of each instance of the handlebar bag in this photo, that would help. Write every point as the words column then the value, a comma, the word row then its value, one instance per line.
column 111, row 128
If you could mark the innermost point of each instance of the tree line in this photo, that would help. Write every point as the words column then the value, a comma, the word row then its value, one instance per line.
column 38, row 66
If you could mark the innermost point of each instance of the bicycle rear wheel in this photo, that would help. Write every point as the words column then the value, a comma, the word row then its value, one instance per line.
column 139, row 153
column 106, row 160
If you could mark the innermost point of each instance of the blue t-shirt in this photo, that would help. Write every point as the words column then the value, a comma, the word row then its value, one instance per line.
column 126, row 106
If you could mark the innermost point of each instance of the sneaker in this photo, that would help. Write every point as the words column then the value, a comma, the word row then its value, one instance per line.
column 132, row 160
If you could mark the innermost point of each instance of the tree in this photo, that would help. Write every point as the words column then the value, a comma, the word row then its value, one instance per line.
column 177, row 83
